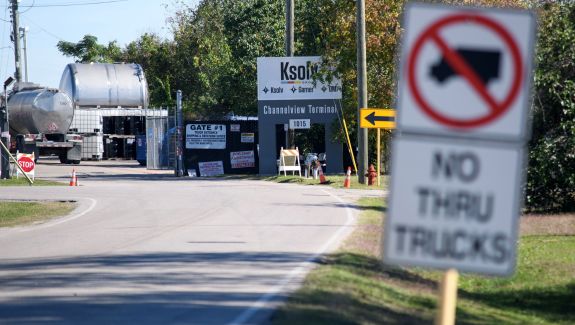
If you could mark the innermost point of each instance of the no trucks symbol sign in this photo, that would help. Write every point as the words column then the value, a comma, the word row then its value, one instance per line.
column 457, row 163
column 466, row 72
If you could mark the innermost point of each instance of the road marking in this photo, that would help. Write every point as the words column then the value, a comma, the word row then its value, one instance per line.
column 302, row 269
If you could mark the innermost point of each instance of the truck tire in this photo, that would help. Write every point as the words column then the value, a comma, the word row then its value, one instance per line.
column 75, row 162
column 63, row 158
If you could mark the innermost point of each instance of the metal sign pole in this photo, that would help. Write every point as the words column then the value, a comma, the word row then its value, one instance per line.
column 179, row 135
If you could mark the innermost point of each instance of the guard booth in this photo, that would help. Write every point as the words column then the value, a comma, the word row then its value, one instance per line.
column 292, row 107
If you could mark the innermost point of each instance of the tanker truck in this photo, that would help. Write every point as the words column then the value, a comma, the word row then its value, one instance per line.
column 39, row 120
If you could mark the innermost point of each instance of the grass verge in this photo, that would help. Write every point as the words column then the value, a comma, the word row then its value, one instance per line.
column 23, row 213
column 335, row 181
column 352, row 286
column 24, row 182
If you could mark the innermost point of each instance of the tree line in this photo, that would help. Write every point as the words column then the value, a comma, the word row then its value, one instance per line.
column 212, row 55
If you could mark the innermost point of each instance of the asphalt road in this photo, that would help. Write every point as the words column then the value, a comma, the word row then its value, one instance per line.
column 144, row 247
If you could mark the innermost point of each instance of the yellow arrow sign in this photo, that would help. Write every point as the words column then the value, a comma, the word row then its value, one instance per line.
column 377, row 118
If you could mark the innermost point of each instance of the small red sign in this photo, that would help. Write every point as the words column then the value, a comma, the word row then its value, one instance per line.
column 26, row 163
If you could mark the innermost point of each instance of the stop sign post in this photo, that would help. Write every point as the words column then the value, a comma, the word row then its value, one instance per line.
column 27, row 165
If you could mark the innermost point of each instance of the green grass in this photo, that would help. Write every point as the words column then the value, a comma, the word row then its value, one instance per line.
column 352, row 286
column 335, row 181
column 24, row 182
column 23, row 213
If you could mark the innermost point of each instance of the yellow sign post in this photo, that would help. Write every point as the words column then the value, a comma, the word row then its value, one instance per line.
column 377, row 118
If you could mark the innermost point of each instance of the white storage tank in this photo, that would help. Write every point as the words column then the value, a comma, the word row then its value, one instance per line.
column 105, row 85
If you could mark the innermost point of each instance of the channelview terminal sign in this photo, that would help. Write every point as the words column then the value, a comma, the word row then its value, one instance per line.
column 458, row 162
column 290, row 94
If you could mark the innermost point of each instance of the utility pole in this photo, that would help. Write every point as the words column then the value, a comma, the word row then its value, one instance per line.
column 4, row 133
column 289, row 27
column 24, row 30
column 16, row 40
column 362, row 155
column 289, row 42
column 179, row 172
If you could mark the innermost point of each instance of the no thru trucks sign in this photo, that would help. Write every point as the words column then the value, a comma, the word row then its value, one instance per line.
column 457, row 163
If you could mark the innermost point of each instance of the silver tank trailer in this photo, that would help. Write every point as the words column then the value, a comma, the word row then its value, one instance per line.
column 105, row 85
column 46, row 111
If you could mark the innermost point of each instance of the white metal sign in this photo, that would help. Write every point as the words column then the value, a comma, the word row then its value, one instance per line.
column 290, row 78
column 299, row 124
column 242, row 159
column 466, row 71
column 205, row 136
column 211, row 168
column 453, row 205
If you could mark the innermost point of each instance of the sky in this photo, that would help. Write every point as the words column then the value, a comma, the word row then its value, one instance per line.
column 50, row 21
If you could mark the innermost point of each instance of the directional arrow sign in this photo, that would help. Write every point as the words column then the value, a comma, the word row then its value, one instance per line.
column 377, row 118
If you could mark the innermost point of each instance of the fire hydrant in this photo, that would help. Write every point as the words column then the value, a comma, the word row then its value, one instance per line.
column 371, row 175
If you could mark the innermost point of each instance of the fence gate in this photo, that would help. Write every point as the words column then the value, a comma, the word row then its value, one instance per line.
column 160, row 140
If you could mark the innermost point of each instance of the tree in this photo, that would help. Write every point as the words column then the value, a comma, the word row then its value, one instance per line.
column 203, row 58
column 254, row 28
column 88, row 50
column 156, row 58
column 551, row 173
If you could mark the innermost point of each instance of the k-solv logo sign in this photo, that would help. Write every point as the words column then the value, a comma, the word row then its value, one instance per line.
column 291, row 78
column 291, row 72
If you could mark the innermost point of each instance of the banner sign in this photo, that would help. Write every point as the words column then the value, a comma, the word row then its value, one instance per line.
column 205, row 136
column 242, row 159
column 211, row 168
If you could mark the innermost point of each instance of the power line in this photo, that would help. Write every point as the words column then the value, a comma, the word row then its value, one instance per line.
column 71, row 4
column 29, row 8
column 43, row 29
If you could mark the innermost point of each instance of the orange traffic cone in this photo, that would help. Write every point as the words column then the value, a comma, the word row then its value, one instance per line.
column 73, row 180
column 347, row 181
column 322, row 179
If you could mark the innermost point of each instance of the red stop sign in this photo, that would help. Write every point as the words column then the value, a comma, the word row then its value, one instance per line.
column 26, row 163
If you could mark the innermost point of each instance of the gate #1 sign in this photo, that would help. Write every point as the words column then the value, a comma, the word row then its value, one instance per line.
column 205, row 136
column 466, row 70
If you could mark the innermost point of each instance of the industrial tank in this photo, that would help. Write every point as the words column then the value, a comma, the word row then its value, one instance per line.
column 44, row 110
column 105, row 85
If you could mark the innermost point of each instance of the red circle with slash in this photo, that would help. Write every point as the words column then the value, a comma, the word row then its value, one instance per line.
column 463, row 69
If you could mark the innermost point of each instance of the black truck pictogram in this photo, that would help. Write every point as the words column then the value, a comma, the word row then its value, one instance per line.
column 485, row 63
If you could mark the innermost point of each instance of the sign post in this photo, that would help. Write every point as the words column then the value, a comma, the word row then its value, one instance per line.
column 458, row 159
column 377, row 118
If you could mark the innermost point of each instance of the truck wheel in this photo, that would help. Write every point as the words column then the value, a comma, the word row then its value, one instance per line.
column 63, row 159
column 75, row 162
